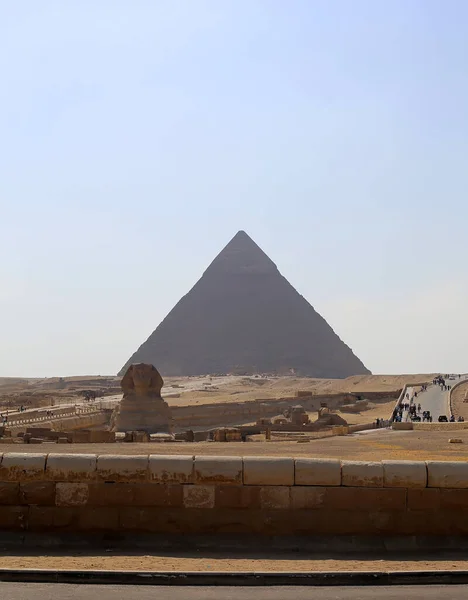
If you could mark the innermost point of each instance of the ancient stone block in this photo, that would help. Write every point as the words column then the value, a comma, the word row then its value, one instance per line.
column 454, row 499
column 13, row 517
column 22, row 466
column 404, row 473
column 361, row 474
column 71, row 467
column 101, row 437
column 139, row 519
column 148, row 494
column 47, row 518
column 447, row 474
column 237, row 496
column 303, row 497
column 317, row 471
column 366, row 499
column 199, row 496
column 275, row 497
column 98, row 519
column 38, row 492
column 426, row 500
column 110, row 494
column 80, row 437
column 268, row 471
column 9, row 492
column 71, row 494
column 122, row 468
column 171, row 468
column 218, row 469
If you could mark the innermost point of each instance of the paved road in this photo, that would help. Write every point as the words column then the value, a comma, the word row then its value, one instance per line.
column 39, row 591
column 435, row 400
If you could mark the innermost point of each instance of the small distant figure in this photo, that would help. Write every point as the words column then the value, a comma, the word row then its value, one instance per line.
column 452, row 419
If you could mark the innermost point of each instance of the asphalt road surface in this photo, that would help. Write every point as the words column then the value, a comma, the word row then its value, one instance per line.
column 39, row 591
column 433, row 399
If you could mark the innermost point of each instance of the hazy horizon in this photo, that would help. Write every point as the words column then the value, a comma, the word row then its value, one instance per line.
column 137, row 139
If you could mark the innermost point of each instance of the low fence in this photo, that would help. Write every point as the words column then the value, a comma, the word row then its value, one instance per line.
column 26, row 419
column 263, row 496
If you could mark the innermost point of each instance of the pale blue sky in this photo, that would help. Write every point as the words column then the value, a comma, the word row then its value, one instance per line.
column 137, row 137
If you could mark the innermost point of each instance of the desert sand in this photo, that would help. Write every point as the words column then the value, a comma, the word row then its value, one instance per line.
column 377, row 444
column 113, row 561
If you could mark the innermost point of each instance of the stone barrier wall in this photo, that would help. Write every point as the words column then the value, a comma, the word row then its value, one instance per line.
column 235, row 413
column 454, row 387
column 435, row 426
column 231, row 495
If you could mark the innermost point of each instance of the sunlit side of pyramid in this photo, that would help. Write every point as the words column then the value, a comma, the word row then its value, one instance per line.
column 243, row 316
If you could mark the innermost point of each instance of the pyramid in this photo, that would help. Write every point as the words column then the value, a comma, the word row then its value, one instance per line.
column 244, row 317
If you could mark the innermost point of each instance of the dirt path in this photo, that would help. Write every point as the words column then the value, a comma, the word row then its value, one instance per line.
column 207, row 562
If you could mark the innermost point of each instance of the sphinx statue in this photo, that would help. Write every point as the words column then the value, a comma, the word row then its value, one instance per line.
column 142, row 408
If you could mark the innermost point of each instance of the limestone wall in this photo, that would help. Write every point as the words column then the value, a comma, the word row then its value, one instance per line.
column 235, row 413
column 224, row 495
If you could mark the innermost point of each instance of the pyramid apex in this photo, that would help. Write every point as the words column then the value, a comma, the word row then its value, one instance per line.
column 242, row 256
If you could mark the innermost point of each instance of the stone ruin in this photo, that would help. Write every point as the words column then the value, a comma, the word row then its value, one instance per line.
column 142, row 407
column 326, row 418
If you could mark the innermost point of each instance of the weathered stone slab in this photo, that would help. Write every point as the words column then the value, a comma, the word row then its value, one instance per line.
column 447, row 474
column 122, row 468
column 71, row 467
column 218, row 469
column 361, row 474
column 22, row 466
column 259, row 470
column 171, row 468
column 317, row 471
column 275, row 497
column 404, row 473
column 303, row 497
column 71, row 494
column 199, row 496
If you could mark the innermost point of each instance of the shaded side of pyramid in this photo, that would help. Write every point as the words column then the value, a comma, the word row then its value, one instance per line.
column 243, row 316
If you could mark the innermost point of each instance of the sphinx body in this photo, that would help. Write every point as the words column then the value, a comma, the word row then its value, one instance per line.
column 142, row 407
